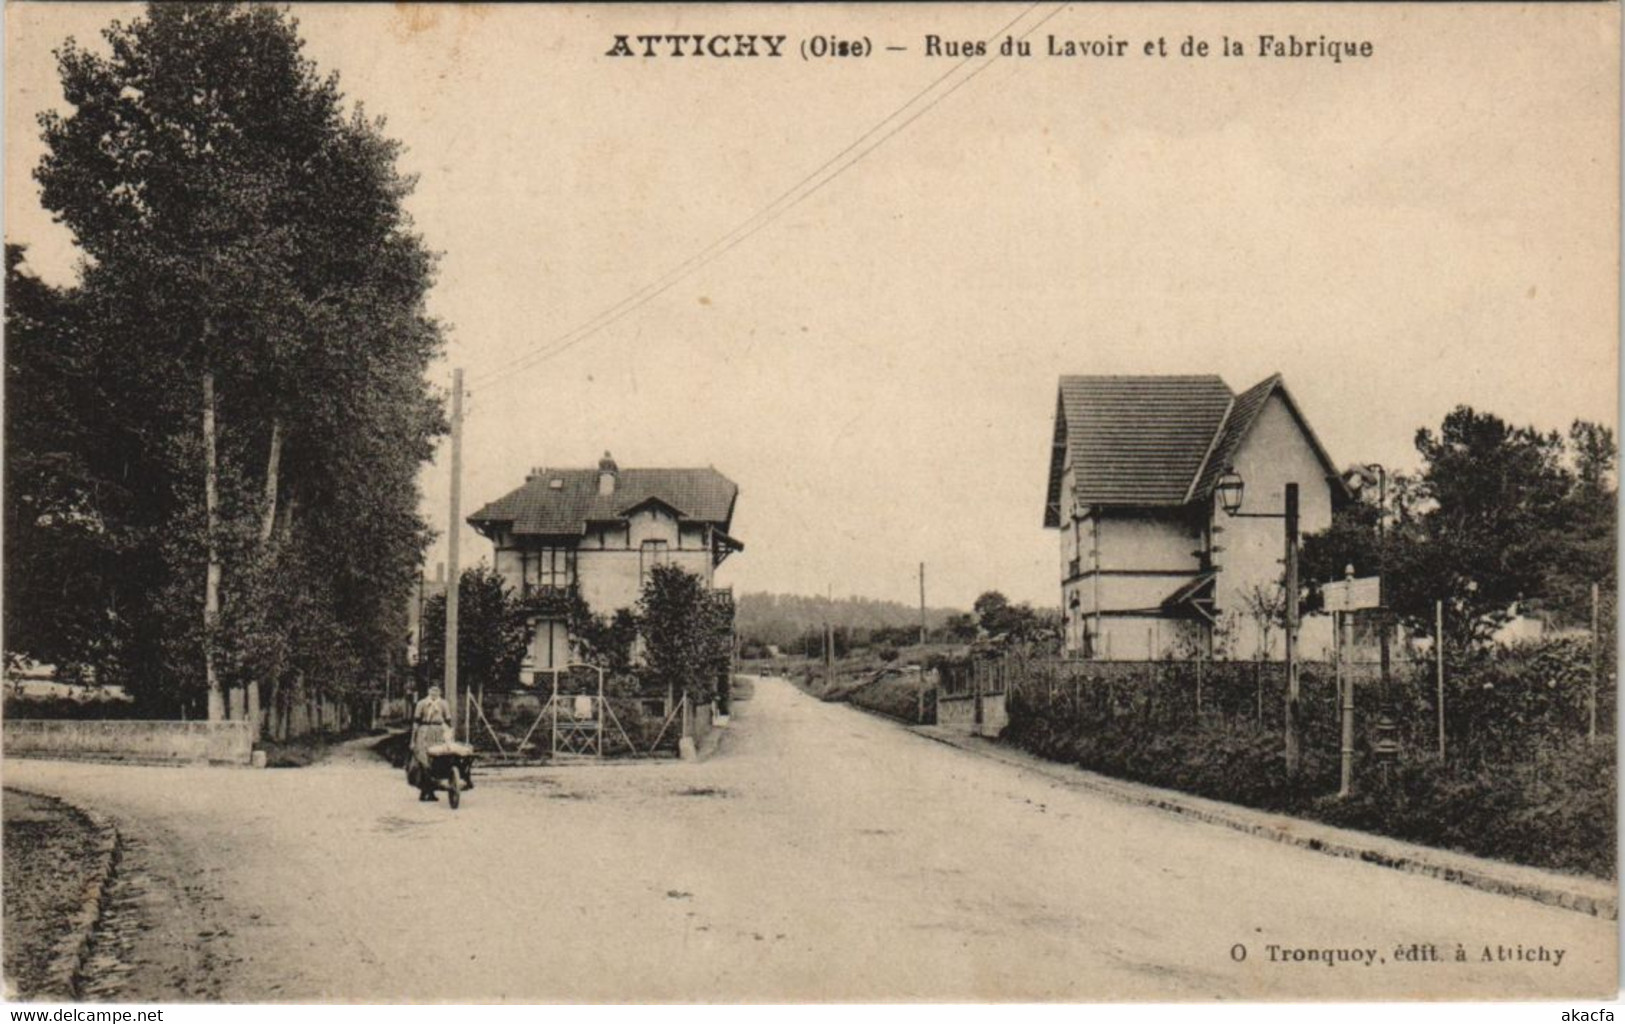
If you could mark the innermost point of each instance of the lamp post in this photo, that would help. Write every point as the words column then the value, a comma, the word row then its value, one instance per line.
column 1231, row 490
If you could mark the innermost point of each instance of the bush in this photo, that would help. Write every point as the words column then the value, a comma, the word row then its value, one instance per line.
column 79, row 708
column 905, row 696
column 1521, row 782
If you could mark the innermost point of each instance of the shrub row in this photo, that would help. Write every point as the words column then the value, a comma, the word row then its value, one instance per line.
column 909, row 697
column 1521, row 781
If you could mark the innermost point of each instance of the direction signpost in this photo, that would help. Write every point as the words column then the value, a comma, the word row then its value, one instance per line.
column 1343, row 598
column 1350, row 594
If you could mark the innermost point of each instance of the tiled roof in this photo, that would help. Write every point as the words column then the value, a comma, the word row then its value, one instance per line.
column 1154, row 441
column 539, row 507
column 1134, row 440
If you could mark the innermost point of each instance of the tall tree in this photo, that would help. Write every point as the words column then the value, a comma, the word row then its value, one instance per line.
column 62, row 528
column 998, row 617
column 1498, row 517
column 247, row 243
column 492, row 633
column 686, row 633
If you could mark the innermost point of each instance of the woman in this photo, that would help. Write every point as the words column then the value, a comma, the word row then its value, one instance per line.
column 431, row 724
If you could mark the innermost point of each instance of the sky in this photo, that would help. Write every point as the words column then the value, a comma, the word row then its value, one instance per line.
column 876, row 364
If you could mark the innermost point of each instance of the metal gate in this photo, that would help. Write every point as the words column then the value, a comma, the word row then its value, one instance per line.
column 577, row 720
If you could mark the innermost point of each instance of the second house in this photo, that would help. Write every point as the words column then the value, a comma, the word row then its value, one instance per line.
column 601, row 531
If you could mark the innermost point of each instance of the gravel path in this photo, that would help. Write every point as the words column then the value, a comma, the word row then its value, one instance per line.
column 822, row 854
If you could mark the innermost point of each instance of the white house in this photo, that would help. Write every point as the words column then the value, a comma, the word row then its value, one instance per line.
column 1150, row 566
column 600, row 532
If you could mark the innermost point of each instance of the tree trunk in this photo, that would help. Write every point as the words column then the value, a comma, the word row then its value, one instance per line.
column 253, row 710
column 273, row 702
column 211, row 585
column 273, row 463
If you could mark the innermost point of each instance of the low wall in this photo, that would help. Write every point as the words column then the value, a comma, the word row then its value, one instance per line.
column 104, row 739
column 960, row 713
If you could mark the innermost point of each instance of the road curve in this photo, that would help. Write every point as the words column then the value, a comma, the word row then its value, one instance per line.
column 823, row 854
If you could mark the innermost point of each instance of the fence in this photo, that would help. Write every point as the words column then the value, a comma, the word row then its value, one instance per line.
column 579, row 717
column 972, row 695
column 975, row 675
column 1499, row 705
column 1521, row 773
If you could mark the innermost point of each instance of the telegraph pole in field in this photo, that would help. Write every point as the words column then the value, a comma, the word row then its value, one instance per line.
column 451, row 541
column 829, row 639
column 922, row 604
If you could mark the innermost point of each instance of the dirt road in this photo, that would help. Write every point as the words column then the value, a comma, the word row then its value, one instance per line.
column 822, row 853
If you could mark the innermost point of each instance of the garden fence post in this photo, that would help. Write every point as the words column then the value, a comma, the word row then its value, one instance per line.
column 1438, row 657
column 1596, row 662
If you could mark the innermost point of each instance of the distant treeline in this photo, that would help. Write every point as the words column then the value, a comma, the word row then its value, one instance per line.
column 786, row 620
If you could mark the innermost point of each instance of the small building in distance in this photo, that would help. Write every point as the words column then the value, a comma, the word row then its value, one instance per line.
column 1150, row 565
column 599, row 532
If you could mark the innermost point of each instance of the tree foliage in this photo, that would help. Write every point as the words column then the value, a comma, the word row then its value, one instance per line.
column 686, row 632
column 492, row 632
column 238, row 223
column 998, row 617
column 62, row 547
column 1498, row 517
column 786, row 620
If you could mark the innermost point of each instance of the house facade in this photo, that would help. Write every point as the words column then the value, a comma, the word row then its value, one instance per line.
column 600, row 532
column 1150, row 565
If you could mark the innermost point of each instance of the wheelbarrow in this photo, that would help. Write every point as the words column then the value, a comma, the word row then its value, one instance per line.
column 451, row 768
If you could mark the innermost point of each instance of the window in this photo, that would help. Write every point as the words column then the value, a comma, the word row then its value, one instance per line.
column 550, row 645
column 651, row 554
column 549, row 568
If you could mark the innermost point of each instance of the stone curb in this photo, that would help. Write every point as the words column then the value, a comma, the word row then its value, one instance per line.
column 62, row 975
column 1596, row 898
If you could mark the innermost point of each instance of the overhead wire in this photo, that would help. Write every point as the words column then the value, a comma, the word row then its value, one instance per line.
column 786, row 201
column 653, row 288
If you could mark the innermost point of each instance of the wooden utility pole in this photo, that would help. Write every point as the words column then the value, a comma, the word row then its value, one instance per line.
column 829, row 639
column 452, row 529
column 1384, row 624
column 1292, row 747
column 922, row 604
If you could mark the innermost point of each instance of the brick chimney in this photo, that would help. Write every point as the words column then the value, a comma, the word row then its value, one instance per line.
column 607, row 474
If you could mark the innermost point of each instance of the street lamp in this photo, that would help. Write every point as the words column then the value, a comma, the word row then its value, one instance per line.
column 1231, row 490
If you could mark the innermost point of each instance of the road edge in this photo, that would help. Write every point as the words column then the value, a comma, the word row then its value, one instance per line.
column 68, row 959
column 1573, row 894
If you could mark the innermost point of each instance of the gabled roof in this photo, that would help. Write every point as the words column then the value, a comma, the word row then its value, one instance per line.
column 1239, row 423
column 561, row 502
column 1151, row 442
column 1134, row 440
